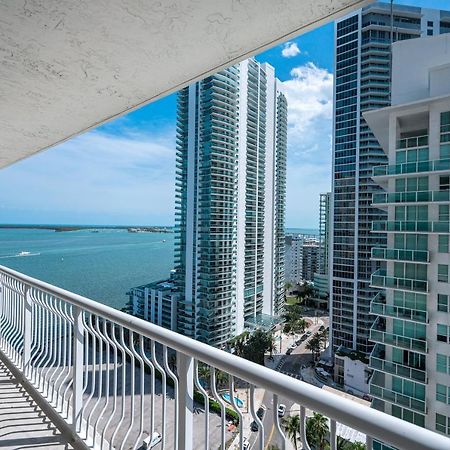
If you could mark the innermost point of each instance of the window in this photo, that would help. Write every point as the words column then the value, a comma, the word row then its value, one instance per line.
column 443, row 273
column 442, row 333
column 444, row 183
column 430, row 23
column 441, row 423
column 442, row 363
column 442, row 302
column 444, row 213
column 429, row 32
column 442, row 393
column 443, row 243
column 445, row 151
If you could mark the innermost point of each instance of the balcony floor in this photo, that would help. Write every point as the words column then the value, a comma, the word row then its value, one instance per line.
column 22, row 423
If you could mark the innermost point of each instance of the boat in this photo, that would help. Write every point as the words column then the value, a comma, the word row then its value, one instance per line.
column 24, row 254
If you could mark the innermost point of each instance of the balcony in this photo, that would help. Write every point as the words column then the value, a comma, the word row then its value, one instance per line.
column 379, row 307
column 397, row 254
column 439, row 165
column 379, row 362
column 412, row 142
column 411, row 226
column 378, row 334
column 379, row 279
column 397, row 398
column 110, row 380
column 388, row 198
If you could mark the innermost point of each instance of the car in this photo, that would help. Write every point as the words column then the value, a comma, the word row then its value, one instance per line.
column 254, row 426
column 152, row 441
column 303, row 338
column 281, row 410
column 293, row 346
column 322, row 328
column 261, row 411
column 289, row 351
column 308, row 333
column 246, row 444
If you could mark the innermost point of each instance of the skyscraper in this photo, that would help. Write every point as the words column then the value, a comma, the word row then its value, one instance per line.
column 362, row 83
column 411, row 357
column 230, row 200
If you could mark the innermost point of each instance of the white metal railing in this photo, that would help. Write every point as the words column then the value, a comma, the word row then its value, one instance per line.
column 112, row 378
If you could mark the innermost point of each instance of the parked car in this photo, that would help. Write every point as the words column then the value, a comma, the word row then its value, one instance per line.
column 289, row 351
column 322, row 328
column 304, row 337
column 293, row 346
column 281, row 410
column 254, row 426
column 308, row 333
column 261, row 411
column 246, row 444
column 152, row 441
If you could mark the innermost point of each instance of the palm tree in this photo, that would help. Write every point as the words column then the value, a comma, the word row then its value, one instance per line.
column 292, row 427
column 315, row 345
column 317, row 431
column 358, row 446
column 204, row 374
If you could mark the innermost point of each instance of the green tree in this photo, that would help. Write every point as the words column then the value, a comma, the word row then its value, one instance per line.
column 256, row 346
column 358, row 446
column 315, row 345
column 317, row 431
column 292, row 426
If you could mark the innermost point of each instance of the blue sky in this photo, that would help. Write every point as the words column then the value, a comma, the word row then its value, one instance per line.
column 123, row 172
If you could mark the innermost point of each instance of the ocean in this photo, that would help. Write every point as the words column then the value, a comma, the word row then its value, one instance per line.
column 101, row 265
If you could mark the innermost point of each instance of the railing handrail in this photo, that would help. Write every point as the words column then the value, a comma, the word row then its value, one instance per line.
column 374, row 423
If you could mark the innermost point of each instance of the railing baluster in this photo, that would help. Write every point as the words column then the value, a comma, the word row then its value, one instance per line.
column 27, row 326
column 303, row 428
column 206, row 398
column 333, row 443
column 185, row 370
column 256, row 418
column 78, row 368
column 276, row 421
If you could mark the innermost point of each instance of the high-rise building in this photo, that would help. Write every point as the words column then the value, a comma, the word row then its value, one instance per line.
column 362, row 83
column 321, row 276
column 411, row 357
column 302, row 257
column 230, row 202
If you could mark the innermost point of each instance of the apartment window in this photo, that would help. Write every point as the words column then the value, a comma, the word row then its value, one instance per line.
column 429, row 32
column 409, row 388
column 442, row 393
column 442, row 363
column 442, row 333
column 443, row 273
column 441, row 423
column 411, row 213
column 442, row 302
column 407, row 156
column 444, row 213
column 430, row 23
column 443, row 243
column 444, row 183
column 411, row 241
column 409, row 416
column 445, row 151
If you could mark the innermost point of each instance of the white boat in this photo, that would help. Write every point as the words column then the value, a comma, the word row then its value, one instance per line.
column 24, row 254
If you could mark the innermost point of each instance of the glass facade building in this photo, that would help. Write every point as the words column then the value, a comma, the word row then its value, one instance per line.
column 363, row 83
column 230, row 201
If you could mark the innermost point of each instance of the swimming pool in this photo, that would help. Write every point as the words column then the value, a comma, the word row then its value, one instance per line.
column 238, row 401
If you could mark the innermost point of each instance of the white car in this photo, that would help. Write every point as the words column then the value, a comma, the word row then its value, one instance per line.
column 152, row 441
column 281, row 410
column 246, row 444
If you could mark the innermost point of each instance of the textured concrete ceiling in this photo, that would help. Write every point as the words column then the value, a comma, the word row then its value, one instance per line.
column 67, row 66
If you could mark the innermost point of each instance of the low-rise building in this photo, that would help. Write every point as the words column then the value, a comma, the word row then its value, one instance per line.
column 351, row 370
column 156, row 302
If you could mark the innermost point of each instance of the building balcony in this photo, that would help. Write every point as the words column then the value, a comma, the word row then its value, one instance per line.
column 397, row 254
column 439, row 165
column 379, row 335
column 379, row 307
column 379, row 279
column 379, row 362
column 91, row 366
column 397, row 398
column 388, row 198
column 410, row 226
column 412, row 142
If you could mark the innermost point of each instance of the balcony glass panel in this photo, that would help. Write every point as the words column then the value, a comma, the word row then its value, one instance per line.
column 397, row 398
column 380, row 279
column 400, row 254
column 412, row 142
column 411, row 226
column 411, row 197
column 412, row 167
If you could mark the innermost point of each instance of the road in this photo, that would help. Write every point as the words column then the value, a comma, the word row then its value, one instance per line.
column 292, row 364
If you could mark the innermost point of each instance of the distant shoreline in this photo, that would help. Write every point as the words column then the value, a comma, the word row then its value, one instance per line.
column 63, row 228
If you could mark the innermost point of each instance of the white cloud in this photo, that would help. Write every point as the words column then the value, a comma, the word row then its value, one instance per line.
column 128, row 178
column 310, row 103
column 290, row 49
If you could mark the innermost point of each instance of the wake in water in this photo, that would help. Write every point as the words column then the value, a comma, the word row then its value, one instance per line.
column 20, row 255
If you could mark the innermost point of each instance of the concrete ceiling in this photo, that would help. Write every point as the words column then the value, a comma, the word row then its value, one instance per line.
column 67, row 66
